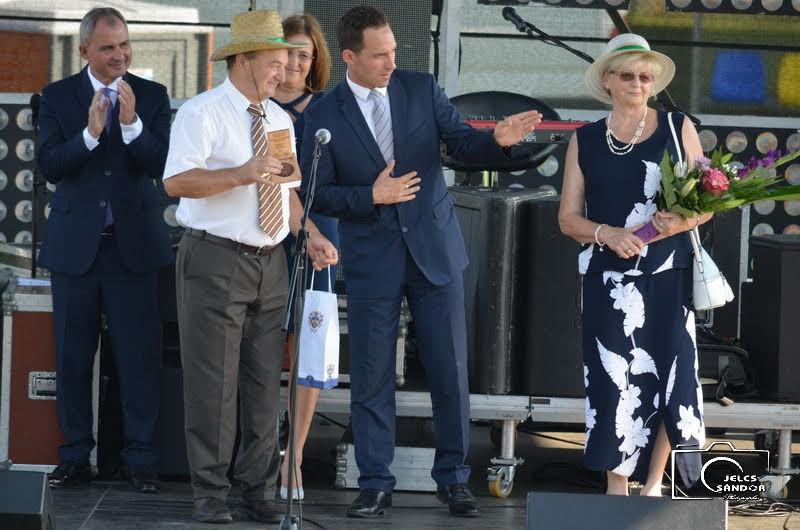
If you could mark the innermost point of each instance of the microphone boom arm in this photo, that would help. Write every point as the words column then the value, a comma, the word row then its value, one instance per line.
column 510, row 14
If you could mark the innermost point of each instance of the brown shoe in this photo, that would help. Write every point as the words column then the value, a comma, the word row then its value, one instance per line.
column 261, row 511
column 211, row 510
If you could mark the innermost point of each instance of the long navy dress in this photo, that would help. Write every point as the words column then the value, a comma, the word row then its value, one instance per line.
column 639, row 349
column 328, row 226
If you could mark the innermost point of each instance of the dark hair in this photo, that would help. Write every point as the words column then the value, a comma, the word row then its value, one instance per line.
column 90, row 19
column 350, row 29
column 320, row 72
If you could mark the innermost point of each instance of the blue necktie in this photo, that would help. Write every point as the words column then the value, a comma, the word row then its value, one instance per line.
column 382, row 119
column 110, row 93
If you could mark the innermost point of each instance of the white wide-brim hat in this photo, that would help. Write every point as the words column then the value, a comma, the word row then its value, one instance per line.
column 626, row 43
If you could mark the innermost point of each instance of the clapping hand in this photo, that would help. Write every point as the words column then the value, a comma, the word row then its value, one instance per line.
column 98, row 110
column 127, row 103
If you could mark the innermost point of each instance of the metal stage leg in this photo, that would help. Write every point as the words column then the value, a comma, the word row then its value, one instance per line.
column 781, row 473
column 500, row 475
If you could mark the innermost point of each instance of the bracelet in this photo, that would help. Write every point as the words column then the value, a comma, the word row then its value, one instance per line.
column 597, row 231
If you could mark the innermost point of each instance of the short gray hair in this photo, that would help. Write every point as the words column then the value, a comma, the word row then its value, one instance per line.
column 99, row 13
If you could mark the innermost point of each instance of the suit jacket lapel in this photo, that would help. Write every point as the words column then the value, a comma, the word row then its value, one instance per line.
column 399, row 108
column 352, row 112
column 85, row 92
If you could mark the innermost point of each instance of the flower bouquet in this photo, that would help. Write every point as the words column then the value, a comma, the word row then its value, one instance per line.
column 718, row 184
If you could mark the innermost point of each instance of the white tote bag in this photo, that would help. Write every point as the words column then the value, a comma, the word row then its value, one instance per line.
column 710, row 289
column 319, row 339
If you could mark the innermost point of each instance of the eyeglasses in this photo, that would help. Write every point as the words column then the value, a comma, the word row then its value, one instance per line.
column 302, row 57
column 628, row 77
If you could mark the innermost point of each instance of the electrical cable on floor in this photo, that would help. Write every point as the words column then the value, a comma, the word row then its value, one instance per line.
column 555, row 438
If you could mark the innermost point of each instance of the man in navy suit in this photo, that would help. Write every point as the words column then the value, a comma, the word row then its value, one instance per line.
column 103, row 137
column 381, row 174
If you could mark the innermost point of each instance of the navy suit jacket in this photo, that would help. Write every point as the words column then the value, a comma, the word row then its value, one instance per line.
column 111, row 172
column 422, row 116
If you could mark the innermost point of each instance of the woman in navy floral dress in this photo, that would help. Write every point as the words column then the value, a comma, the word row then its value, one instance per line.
column 643, row 396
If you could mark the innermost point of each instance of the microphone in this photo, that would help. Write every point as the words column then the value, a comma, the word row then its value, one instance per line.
column 510, row 14
column 35, row 102
column 322, row 136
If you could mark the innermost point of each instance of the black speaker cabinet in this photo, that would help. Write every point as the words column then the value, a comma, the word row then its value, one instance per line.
column 579, row 511
column 494, row 223
column 553, row 364
column 25, row 501
column 725, row 239
column 771, row 314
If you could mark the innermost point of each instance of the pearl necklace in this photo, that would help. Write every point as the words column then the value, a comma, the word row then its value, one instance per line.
column 627, row 148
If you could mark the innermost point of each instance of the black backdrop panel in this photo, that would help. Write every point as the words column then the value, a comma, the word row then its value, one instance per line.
column 410, row 22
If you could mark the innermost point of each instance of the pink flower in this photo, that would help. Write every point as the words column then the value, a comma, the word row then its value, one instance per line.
column 715, row 181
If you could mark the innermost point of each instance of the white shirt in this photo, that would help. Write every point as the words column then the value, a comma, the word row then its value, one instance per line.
column 212, row 131
column 129, row 132
column 367, row 105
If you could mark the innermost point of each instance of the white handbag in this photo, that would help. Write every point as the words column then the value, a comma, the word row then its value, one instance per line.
column 710, row 289
column 319, row 339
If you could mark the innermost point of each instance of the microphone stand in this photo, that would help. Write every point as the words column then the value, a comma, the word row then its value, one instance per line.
column 297, row 285
column 38, row 183
column 663, row 97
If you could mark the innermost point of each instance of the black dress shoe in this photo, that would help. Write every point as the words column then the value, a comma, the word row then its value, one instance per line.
column 370, row 503
column 211, row 510
column 143, row 479
column 69, row 474
column 262, row 511
column 460, row 500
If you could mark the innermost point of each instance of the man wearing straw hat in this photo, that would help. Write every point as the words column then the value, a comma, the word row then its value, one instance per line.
column 237, row 206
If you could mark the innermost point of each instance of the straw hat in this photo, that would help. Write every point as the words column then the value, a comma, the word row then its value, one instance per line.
column 252, row 31
column 626, row 43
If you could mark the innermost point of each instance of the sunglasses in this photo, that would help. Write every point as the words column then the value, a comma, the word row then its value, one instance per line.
column 628, row 77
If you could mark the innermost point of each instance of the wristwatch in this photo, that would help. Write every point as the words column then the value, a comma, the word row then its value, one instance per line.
column 135, row 119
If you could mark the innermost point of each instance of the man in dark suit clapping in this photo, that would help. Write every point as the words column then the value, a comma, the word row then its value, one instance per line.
column 103, row 138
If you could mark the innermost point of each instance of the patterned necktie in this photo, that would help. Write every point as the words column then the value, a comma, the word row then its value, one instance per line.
column 382, row 119
column 270, row 199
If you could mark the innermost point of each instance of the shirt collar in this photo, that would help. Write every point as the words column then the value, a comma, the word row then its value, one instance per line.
column 97, row 84
column 240, row 102
column 362, row 92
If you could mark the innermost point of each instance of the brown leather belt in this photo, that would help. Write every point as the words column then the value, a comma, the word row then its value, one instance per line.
column 247, row 250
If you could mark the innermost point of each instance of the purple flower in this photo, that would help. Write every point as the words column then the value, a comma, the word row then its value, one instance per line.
column 770, row 158
column 752, row 164
column 704, row 163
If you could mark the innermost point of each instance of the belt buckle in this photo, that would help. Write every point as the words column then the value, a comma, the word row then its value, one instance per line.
column 262, row 251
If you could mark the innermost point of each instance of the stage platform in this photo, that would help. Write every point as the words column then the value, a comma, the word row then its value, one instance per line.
column 551, row 461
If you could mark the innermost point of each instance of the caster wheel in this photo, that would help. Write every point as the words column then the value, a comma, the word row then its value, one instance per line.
column 500, row 486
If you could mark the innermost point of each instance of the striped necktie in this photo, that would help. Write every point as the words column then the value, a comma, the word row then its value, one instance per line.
column 270, row 198
column 382, row 119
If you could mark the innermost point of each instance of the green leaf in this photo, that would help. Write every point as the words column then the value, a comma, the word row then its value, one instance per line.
column 667, row 181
